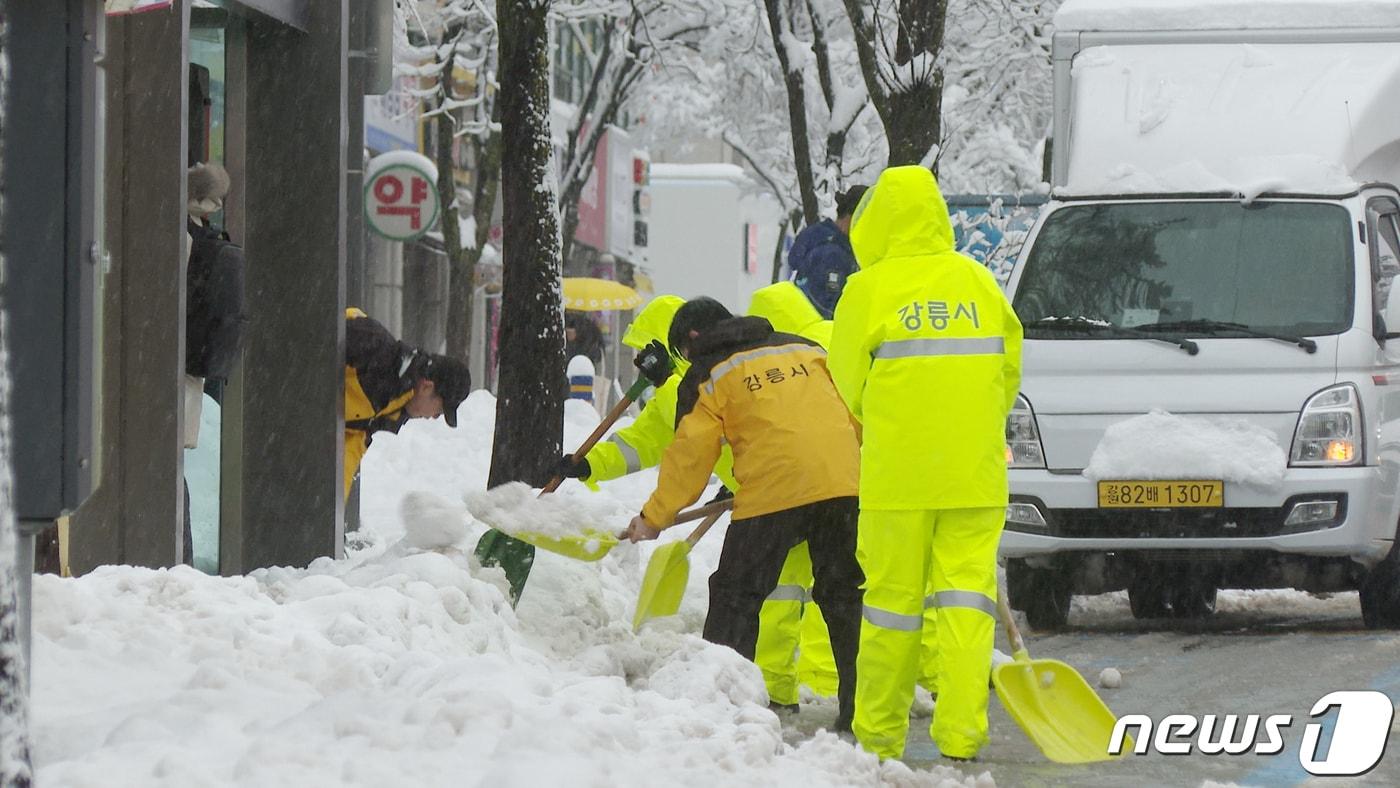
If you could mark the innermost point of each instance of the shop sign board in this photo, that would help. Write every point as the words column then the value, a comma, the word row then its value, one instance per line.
column 401, row 201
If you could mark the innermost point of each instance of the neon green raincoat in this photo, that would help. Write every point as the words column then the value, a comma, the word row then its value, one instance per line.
column 926, row 351
column 641, row 444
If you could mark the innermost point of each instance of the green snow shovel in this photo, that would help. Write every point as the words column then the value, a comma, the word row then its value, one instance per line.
column 663, row 586
column 516, row 556
column 1053, row 704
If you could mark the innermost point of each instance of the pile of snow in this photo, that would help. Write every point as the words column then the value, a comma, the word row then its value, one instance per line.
column 1160, row 445
column 517, row 508
column 1225, row 14
column 402, row 665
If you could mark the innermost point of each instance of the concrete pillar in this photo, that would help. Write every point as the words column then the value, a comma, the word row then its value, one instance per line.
column 135, row 516
column 288, row 402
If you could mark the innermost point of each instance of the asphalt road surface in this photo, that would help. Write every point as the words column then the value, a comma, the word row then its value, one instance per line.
column 1263, row 652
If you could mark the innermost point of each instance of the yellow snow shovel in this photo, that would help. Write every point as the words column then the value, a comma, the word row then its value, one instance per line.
column 1052, row 703
column 593, row 545
column 663, row 585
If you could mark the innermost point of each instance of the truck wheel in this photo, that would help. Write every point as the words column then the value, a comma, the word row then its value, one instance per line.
column 1194, row 601
column 1042, row 594
column 1380, row 593
column 1148, row 599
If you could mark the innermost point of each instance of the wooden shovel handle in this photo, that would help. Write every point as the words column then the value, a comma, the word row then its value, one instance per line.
column 701, row 512
column 1013, row 633
column 586, row 446
column 703, row 527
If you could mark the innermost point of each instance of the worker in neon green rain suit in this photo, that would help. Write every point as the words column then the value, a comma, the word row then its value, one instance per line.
column 641, row 445
column 928, row 335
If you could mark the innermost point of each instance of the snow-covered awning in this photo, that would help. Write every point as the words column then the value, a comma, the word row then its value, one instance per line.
column 1142, row 15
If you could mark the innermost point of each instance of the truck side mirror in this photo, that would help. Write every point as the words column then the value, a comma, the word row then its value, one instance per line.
column 1389, row 321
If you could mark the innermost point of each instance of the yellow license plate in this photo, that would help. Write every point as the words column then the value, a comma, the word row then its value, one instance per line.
column 1161, row 494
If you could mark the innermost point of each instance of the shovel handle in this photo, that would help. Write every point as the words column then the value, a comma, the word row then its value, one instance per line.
column 586, row 446
column 701, row 512
column 702, row 528
column 1013, row 633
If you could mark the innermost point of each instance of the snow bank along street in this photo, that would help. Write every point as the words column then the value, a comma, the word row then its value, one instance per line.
column 406, row 666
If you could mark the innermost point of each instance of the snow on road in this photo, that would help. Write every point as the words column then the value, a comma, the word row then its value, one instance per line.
column 406, row 666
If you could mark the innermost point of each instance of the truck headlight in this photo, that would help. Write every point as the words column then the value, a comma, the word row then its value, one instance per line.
column 1023, row 449
column 1329, row 429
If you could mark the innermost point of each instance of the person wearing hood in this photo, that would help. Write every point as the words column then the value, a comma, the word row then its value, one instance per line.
column 821, row 258
column 790, row 622
column 925, row 337
column 640, row 444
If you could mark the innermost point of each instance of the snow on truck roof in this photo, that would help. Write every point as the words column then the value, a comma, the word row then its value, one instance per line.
column 1143, row 15
column 1315, row 118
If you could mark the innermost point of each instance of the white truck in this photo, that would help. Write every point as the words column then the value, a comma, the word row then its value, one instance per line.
column 1211, row 394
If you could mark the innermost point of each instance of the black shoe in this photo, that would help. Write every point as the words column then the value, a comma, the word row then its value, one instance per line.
column 842, row 723
column 956, row 759
column 783, row 708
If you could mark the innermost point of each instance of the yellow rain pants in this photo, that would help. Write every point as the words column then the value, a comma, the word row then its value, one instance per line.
column 905, row 554
column 793, row 645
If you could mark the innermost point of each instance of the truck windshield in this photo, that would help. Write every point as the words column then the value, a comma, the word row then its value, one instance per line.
column 1282, row 267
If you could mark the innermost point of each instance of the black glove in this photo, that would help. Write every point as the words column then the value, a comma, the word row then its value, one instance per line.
column 568, row 469
column 724, row 494
column 654, row 361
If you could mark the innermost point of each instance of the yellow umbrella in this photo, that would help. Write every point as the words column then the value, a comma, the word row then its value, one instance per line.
column 587, row 294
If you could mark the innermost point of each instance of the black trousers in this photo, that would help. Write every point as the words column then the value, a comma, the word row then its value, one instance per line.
column 751, row 560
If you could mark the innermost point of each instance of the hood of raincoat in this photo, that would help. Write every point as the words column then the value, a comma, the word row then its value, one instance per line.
column 654, row 323
column 791, row 312
column 903, row 215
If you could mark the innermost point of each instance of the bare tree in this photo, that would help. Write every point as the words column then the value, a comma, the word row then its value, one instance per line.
column 628, row 40
column 438, row 39
column 530, row 405
column 900, row 43
column 780, row 28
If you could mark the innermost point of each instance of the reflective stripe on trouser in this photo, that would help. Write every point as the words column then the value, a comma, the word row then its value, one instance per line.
column 906, row 555
column 779, row 623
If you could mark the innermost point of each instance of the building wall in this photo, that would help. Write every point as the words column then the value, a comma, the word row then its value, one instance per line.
column 698, row 222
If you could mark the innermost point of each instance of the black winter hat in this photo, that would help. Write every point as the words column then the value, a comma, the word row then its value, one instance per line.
column 697, row 314
column 451, row 380
column 849, row 200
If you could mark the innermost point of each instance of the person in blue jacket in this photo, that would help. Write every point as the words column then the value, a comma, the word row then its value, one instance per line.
column 821, row 256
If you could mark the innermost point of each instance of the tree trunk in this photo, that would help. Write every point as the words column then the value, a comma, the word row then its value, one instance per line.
column 14, row 698
column 797, row 113
column 530, row 414
column 911, row 110
column 445, row 127
column 486, row 185
column 530, row 406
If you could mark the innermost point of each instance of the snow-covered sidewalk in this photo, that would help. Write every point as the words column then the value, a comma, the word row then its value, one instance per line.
column 406, row 666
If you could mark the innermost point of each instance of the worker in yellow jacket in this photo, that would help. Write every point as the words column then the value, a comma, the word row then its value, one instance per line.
column 926, row 352
column 770, row 397
column 388, row 382
column 790, row 622
column 640, row 445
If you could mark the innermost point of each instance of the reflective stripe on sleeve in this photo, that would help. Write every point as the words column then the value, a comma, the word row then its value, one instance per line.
column 915, row 348
column 887, row 620
column 629, row 454
column 787, row 593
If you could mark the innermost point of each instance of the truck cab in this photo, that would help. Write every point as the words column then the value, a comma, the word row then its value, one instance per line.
column 1211, row 393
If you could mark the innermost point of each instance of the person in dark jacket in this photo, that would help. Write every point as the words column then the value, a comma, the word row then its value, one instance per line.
column 582, row 338
column 388, row 382
column 821, row 256
column 769, row 397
